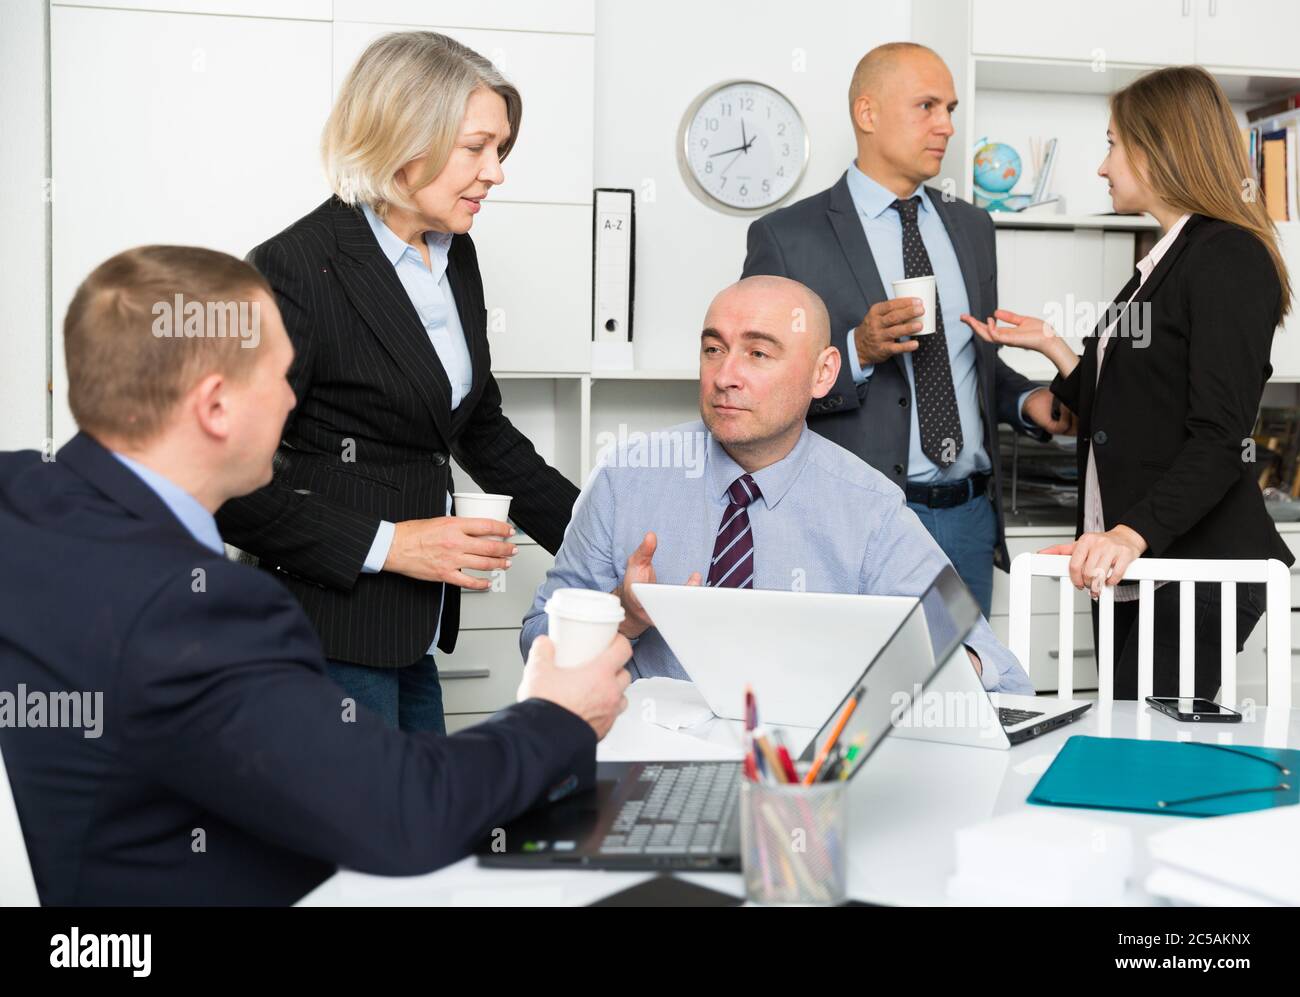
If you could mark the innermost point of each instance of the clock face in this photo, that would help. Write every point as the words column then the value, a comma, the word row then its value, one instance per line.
column 743, row 146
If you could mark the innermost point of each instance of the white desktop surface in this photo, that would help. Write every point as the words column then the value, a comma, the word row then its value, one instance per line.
column 904, row 807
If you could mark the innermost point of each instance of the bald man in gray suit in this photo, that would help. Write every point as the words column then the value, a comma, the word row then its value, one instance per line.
column 922, row 411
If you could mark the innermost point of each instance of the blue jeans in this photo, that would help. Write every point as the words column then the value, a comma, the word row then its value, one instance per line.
column 966, row 533
column 407, row 698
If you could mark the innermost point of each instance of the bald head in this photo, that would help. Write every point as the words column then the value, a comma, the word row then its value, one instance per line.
column 881, row 64
column 765, row 354
column 777, row 299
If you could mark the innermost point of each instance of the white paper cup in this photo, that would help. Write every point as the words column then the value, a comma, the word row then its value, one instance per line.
column 473, row 505
column 581, row 624
column 923, row 288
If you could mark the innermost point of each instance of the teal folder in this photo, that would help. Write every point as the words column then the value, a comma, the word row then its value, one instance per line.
column 1186, row 778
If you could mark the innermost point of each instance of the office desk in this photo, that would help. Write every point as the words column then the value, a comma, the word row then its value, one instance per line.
column 903, row 809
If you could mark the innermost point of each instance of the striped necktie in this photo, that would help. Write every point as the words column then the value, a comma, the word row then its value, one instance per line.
column 733, row 552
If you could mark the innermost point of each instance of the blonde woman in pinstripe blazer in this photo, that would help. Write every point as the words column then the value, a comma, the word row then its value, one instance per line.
column 381, row 294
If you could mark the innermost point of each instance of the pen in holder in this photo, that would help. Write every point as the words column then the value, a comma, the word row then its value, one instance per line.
column 792, row 842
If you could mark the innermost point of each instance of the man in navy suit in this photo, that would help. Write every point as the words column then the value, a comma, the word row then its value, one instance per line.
column 214, row 762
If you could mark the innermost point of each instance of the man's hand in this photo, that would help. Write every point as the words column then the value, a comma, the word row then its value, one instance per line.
column 1098, row 559
column 975, row 660
column 594, row 690
column 1043, row 409
column 877, row 337
column 640, row 568
column 435, row 550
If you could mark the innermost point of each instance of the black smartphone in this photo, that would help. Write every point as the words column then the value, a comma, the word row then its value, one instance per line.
column 1195, row 710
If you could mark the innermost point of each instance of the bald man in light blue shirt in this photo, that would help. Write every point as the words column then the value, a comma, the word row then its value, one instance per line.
column 667, row 505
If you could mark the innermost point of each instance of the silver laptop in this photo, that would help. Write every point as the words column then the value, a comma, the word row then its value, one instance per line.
column 956, row 709
column 800, row 651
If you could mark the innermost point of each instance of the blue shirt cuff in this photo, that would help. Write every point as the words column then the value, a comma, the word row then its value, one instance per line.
column 859, row 372
column 379, row 549
column 1020, row 410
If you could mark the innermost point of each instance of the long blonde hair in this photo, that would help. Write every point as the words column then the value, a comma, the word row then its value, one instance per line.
column 1192, row 155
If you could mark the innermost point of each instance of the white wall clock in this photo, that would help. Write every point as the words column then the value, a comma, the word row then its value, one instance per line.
column 742, row 147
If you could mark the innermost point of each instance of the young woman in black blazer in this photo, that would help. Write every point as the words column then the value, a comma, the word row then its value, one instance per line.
column 1166, row 413
column 380, row 291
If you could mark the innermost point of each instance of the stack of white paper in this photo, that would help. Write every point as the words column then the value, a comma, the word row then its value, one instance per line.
column 1040, row 857
column 1241, row 860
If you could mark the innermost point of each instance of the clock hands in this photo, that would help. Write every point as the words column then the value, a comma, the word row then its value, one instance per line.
column 743, row 147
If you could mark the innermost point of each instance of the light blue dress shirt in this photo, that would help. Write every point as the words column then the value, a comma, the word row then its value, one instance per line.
column 884, row 232
column 430, row 294
column 184, row 506
column 827, row 522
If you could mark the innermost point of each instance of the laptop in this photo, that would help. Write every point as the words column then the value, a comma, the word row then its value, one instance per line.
column 956, row 709
column 684, row 815
column 799, row 651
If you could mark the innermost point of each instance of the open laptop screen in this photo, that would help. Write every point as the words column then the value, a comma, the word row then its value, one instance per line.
column 926, row 638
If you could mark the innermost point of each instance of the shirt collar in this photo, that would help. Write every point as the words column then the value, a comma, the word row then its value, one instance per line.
column 184, row 506
column 872, row 199
column 1148, row 262
column 773, row 481
column 394, row 248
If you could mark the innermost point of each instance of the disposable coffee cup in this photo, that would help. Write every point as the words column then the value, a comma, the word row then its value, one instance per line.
column 581, row 624
column 474, row 505
column 923, row 288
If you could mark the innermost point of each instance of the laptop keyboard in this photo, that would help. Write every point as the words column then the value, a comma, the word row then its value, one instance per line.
column 1010, row 717
column 680, row 809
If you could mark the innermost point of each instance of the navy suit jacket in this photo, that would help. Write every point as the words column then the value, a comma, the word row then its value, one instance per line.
column 227, row 771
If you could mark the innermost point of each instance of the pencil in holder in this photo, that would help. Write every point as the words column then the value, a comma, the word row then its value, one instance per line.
column 793, row 842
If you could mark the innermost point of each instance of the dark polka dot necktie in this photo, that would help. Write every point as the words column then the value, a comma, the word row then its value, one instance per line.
column 733, row 552
column 936, row 401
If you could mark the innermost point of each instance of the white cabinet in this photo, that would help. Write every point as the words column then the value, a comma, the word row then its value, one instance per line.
column 1256, row 34
column 1066, row 278
column 178, row 128
column 1151, row 31
column 1286, row 341
column 1228, row 34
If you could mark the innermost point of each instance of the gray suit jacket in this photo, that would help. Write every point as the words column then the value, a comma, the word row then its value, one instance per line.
column 819, row 242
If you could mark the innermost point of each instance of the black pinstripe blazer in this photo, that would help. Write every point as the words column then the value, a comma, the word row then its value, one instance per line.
column 371, row 436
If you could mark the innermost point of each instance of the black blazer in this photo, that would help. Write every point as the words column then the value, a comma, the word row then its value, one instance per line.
column 370, row 383
column 217, row 716
column 1170, row 418
column 820, row 243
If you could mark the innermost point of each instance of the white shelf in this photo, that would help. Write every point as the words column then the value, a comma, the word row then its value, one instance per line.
column 666, row 374
column 1072, row 76
column 1121, row 223
column 537, row 375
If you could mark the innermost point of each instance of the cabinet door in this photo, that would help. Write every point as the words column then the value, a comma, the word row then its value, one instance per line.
column 1251, row 34
column 1286, row 341
column 1153, row 32
column 186, row 129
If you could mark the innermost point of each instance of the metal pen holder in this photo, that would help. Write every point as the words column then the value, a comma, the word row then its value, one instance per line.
column 793, row 843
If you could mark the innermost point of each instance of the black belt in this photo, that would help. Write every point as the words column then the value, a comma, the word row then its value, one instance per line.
column 950, row 493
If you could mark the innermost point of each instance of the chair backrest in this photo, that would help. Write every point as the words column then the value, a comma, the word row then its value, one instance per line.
column 17, row 887
column 1146, row 571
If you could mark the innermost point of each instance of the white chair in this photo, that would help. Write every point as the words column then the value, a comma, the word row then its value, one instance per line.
column 17, row 887
column 1147, row 571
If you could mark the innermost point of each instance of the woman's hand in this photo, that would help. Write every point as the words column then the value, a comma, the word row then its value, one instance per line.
column 1098, row 559
column 436, row 550
column 1027, row 333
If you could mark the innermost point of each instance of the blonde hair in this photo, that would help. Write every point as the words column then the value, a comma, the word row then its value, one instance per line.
column 125, row 373
column 1191, row 152
column 405, row 98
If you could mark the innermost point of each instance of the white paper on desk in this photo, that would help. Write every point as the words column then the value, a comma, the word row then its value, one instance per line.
column 674, row 704
column 1186, row 889
column 1252, row 853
